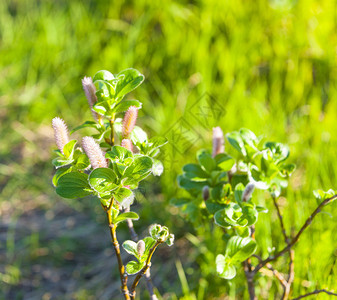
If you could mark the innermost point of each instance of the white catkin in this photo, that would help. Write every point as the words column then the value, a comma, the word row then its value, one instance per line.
column 247, row 193
column 218, row 141
column 129, row 121
column 60, row 133
column 90, row 93
column 127, row 144
column 94, row 152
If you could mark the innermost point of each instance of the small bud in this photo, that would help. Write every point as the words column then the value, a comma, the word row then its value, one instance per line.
column 129, row 121
column 90, row 92
column 170, row 240
column 247, row 193
column 218, row 141
column 60, row 133
column 94, row 152
column 205, row 192
column 140, row 248
column 127, row 144
column 154, row 229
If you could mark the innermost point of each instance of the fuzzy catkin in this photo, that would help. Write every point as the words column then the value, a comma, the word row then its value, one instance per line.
column 247, row 193
column 127, row 144
column 90, row 93
column 94, row 153
column 60, row 133
column 218, row 141
column 129, row 121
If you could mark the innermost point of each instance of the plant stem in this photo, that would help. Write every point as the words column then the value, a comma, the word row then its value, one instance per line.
column 142, row 271
column 315, row 292
column 112, row 138
column 291, row 275
column 134, row 237
column 121, row 267
column 296, row 238
column 286, row 239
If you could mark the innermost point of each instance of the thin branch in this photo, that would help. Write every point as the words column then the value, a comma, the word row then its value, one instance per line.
column 277, row 274
column 134, row 237
column 291, row 275
column 142, row 271
column 296, row 238
column 112, row 138
column 315, row 293
column 286, row 238
column 121, row 267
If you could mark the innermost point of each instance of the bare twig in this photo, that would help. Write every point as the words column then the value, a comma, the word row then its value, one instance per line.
column 296, row 238
column 315, row 293
column 276, row 273
column 286, row 239
column 134, row 237
column 291, row 275
column 142, row 271
column 121, row 267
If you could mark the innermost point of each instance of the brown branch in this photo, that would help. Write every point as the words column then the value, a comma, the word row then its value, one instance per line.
column 296, row 238
column 286, row 239
column 315, row 293
column 121, row 267
column 291, row 275
column 142, row 271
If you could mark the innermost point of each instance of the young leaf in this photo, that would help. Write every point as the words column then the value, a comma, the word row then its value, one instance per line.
column 239, row 249
column 224, row 161
column 124, row 196
column 59, row 173
column 103, row 75
column 179, row 201
column 236, row 141
column 142, row 167
column 224, row 268
column 118, row 152
column 130, row 247
column 86, row 124
column 73, row 185
column 157, row 167
column 149, row 243
column 134, row 267
column 124, row 105
column 124, row 216
column 69, row 148
column 206, row 161
column 194, row 171
column 128, row 80
column 102, row 180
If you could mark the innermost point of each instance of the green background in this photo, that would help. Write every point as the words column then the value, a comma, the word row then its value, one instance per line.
column 269, row 66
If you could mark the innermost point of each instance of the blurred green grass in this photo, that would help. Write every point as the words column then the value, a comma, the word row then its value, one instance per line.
column 270, row 65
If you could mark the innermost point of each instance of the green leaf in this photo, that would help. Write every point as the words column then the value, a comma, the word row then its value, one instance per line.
column 134, row 267
column 102, row 180
column 118, row 152
column 322, row 195
column 124, row 196
column 287, row 169
column 142, row 167
column 103, row 75
column 81, row 161
column 59, row 173
column 194, row 171
column 105, row 91
column 149, row 243
column 235, row 139
column 102, row 108
column 127, row 215
column 238, row 192
column 206, row 161
column 157, row 141
column 249, row 213
column 239, row 249
column 124, row 105
column 68, row 149
column 243, row 231
column 280, row 151
column 73, row 185
column 130, row 247
column 224, row 268
column 128, row 80
column 224, row 161
column 90, row 124
column 190, row 185
column 230, row 216
column 114, row 213
column 261, row 209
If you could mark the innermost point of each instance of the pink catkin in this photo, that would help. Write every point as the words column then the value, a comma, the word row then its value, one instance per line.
column 129, row 121
column 90, row 93
column 60, row 133
column 127, row 144
column 218, row 141
column 94, row 152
